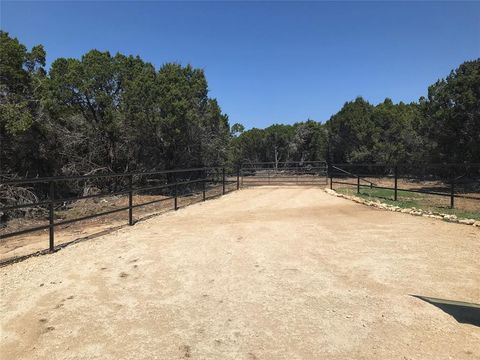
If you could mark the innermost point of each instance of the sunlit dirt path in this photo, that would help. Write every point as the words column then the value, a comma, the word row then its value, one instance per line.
column 264, row 273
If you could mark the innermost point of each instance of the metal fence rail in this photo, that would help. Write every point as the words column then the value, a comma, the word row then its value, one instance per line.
column 175, row 185
column 284, row 173
column 454, row 177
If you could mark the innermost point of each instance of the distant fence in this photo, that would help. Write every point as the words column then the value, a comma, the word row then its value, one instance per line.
column 449, row 181
column 172, row 184
column 284, row 173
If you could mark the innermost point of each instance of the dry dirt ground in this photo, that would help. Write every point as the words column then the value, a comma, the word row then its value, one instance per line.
column 264, row 273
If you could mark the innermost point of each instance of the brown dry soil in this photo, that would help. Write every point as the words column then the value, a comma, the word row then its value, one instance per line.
column 262, row 273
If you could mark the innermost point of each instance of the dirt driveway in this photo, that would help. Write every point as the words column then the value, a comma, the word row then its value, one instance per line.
column 266, row 273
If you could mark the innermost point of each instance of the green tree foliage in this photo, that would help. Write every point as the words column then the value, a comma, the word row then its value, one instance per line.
column 20, row 75
column 395, row 139
column 350, row 132
column 22, row 79
column 452, row 113
column 116, row 113
column 237, row 129
column 386, row 133
column 304, row 141
column 310, row 141
column 443, row 128
column 104, row 112
column 192, row 125
column 91, row 88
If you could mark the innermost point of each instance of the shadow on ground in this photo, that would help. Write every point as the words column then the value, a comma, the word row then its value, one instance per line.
column 463, row 312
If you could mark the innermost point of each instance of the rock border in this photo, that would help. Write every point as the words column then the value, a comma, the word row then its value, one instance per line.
column 412, row 211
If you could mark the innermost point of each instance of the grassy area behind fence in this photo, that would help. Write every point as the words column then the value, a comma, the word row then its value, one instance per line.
column 407, row 199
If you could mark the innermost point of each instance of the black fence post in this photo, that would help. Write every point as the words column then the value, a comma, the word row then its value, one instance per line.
column 130, row 200
column 175, row 201
column 203, row 189
column 238, row 178
column 358, row 184
column 50, row 217
column 452, row 190
column 330, row 174
column 396, row 183
column 223, row 181
column 204, row 184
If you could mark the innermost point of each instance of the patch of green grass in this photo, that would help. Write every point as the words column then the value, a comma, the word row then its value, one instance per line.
column 407, row 200
column 461, row 214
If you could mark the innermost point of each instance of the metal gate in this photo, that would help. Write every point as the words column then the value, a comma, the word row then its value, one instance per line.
column 284, row 173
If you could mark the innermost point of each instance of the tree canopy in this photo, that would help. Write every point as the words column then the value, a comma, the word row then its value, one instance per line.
column 452, row 115
column 104, row 112
column 443, row 128
column 115, row 113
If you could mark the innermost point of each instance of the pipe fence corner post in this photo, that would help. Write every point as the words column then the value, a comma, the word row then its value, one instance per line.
column 395, row 197
column 175, row 190
column 223, row 181
column 238, row 178
column 358, row 184
column 204, row 184
column 130, row 200
column 51, row 219
column 452, row 189
column 330, row 174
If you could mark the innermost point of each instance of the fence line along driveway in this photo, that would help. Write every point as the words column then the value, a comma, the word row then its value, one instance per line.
column 264, row 273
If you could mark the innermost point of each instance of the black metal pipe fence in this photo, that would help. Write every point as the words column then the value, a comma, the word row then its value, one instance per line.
column 284, row 173
column 452, row 181
column 171, row 184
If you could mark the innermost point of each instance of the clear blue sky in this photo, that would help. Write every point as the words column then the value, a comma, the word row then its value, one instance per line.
column 269, row 62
